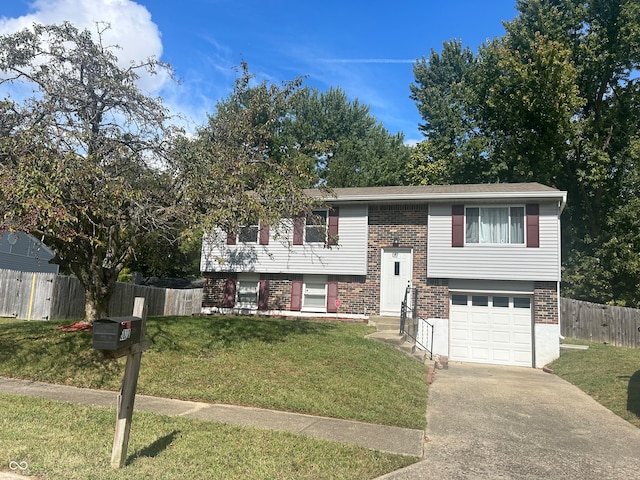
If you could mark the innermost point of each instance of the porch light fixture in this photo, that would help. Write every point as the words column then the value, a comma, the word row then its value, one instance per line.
column 396, row 241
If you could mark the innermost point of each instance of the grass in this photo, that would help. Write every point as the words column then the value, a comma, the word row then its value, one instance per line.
column 62, row 441
column 609, row 374
column 314, row 367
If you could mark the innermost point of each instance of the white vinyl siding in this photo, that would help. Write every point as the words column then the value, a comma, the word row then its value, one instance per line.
column 491, row 261
column 349, row 257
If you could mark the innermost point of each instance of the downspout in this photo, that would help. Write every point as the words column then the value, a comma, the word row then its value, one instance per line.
column 561, row 205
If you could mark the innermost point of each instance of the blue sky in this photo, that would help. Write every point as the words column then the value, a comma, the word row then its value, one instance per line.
column 365, row 47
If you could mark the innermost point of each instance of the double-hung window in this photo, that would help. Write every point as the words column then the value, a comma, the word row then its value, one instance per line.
column 495, row 225
column 315, row 230
column 314, row 296
column 249, row 233
column 247, row 291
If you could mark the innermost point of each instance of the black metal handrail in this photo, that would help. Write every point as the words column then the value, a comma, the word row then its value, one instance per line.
column 411, row 328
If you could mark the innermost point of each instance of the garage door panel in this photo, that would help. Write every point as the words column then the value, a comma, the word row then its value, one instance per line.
column 479, row 335
column 522, row 358
column 501, row 338
column 484, row 333
column 501, row 321
column 501, row 356
column 522, row 321
column 458, row 334
column 480, row 318
column 480, row 353
column 523, row 339
column 460, row 352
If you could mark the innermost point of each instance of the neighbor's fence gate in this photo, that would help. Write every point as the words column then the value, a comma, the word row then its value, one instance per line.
column 600, row 323
column 47, row 296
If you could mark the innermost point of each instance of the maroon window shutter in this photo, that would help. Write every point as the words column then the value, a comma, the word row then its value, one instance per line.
column 264, row 234
column 334, row 214
column 263, row 295
column 332, row 297
column 231, row 238
column 298, row 230
column 457, row 225
column 229, row 298
column 296, row 295
column 533, row 225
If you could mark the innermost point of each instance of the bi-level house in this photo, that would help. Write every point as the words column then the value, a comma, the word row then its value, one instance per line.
column 482, row 260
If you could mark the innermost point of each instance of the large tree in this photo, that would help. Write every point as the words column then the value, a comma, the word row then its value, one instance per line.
column 349, row 147
column 554, row 100
column 243, row 168
column 81, row 157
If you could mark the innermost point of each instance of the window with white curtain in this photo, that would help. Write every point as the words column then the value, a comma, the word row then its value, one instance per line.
column 314, row 296
column 247, row 291
column 494, row 225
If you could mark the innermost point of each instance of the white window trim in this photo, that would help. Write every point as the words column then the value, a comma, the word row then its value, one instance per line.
column 494, row 245
column 308, row 223
column 314, row 280
column 257, row 229
column 249, row 279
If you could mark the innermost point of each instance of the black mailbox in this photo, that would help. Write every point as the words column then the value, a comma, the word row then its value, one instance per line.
column 115, row 333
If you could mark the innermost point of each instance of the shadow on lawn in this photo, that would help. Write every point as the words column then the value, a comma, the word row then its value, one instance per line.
column 38, row 350
column 633, row 394
column 156, row 448
column 172, row 333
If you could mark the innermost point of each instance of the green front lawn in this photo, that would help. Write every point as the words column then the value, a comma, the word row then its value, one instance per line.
column 314, row 367
column 611, row 375
column 58, row 440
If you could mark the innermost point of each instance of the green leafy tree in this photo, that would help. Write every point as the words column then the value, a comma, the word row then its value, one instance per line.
column 242, row 167
column 349, row 146
column 554, row 100
column 170, row 253
column 79, row 158
column 444, row 93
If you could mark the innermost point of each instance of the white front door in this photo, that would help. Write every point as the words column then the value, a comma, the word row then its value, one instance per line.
column 396, row 269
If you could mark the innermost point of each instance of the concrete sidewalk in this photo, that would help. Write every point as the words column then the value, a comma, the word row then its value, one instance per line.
column 403, row 441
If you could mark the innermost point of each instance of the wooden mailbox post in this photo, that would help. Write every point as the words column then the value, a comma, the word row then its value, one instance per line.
column 114, row 332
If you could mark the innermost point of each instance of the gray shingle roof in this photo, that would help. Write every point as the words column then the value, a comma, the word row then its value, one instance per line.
column 445, row 192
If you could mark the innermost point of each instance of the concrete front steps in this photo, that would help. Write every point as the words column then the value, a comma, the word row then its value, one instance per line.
column 388, row 331
column 385, row 323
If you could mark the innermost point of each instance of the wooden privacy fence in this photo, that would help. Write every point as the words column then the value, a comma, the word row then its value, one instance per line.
column 47, row 296
column 600, row 323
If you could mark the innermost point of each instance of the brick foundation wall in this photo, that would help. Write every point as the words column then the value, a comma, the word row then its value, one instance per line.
column 433, row 299
column 545, row 303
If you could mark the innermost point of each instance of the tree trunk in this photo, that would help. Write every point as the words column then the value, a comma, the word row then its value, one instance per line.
column 97, row 302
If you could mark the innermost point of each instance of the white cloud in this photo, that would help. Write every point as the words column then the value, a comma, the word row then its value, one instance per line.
column 131, row 28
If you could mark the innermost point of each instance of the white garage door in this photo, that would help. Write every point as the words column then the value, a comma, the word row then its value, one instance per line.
column 492, row 329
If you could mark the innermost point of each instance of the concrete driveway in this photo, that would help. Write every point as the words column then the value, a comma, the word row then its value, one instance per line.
column 502, row 422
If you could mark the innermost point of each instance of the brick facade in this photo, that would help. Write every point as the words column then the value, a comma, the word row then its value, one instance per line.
column 406, row 224
column 433, row 299
column 545, row 303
